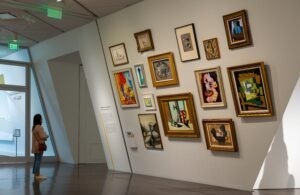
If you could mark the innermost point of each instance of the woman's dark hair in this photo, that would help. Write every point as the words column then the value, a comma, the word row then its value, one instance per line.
column 37, row 120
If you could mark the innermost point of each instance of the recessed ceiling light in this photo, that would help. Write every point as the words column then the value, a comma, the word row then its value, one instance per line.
column 7, row 16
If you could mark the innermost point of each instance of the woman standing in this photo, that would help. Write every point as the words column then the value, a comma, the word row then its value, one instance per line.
column 38, row 136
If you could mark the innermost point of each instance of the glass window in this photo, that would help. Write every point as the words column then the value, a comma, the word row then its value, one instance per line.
column 36, row 107
column 12, row 75
column 12, row 123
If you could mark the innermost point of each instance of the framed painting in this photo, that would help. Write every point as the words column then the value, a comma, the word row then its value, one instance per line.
column 250, row 90
column 125, row 88
column 150, row 131
column 149, row 103
column 140, row 74
column 187, row 42
column 118, row 54
column 178, row 115
column 237, row 29
column 210, row 87
column 144, row 40
column 220, row 135
column 211, row 48
column 163, row 70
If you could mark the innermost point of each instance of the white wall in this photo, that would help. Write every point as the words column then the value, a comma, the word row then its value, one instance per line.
column 77, row 111
column 274, row 27
column 86, row 41
column 281, row 165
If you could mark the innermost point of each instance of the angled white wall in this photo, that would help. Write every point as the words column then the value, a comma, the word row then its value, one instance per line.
column 275, row 31
column 86, row 41
column 281, row 165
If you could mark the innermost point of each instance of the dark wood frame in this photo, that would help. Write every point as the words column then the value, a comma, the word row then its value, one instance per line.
column 246, row 38
column 137, row 37
column 244, row 107
column 189, row 28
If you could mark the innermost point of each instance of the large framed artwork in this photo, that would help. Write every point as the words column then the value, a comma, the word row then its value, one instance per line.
column 163, row 70
column 140, row 74
column 178, row 115
column 210, row 87
column 125, row 88
column 144, row 40
column 150, row 131
column 118, row 54
column 237, row 29
column 220, row 135
column 187, row 42
column 250, row 90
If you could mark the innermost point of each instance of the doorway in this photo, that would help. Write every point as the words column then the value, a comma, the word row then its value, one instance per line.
column 76, row 108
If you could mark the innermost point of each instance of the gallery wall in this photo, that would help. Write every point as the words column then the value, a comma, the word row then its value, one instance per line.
column 274, row 28
column 86, row 41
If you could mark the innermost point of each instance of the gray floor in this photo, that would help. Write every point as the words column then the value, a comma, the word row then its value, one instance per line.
column 64, row 179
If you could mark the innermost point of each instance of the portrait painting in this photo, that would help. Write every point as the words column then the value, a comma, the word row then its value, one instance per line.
column 178, row 115
column 126, row 88
column 250, row 89
column 150, row 131
column 220, row 135
column 210, row 87
column 211, row 48
column 237, row 29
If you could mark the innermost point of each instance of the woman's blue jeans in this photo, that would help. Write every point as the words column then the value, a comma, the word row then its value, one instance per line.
column 37, row 163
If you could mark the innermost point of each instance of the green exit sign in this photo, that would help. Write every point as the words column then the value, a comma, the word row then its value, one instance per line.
column 13, row 46
column 54, row 12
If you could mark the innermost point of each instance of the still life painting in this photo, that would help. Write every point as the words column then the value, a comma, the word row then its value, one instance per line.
column 250, row 90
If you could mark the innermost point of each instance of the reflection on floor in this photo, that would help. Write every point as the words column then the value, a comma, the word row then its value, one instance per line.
column 64, row 179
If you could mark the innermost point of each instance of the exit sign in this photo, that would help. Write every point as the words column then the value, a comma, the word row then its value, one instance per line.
column 54, row 12
column 13, row 46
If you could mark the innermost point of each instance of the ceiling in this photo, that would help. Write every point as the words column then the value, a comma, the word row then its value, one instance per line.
column 32, row 25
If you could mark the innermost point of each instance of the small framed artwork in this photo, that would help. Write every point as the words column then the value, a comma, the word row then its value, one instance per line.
column 178, row 115
column 187, row 42
column 144, row 40
column 125, row 88
column 210, row 87
column 150, row 131
column 118, row 54
column 211, row 48
column 163, row 70
column 149, row 103
column 250, row 90
column 220, row 135
column 237, row 29
column 140, row 74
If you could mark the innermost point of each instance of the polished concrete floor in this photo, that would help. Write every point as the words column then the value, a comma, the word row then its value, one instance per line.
column 64, row 179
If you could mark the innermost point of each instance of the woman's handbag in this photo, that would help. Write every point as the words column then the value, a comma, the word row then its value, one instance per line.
column 42, row 147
